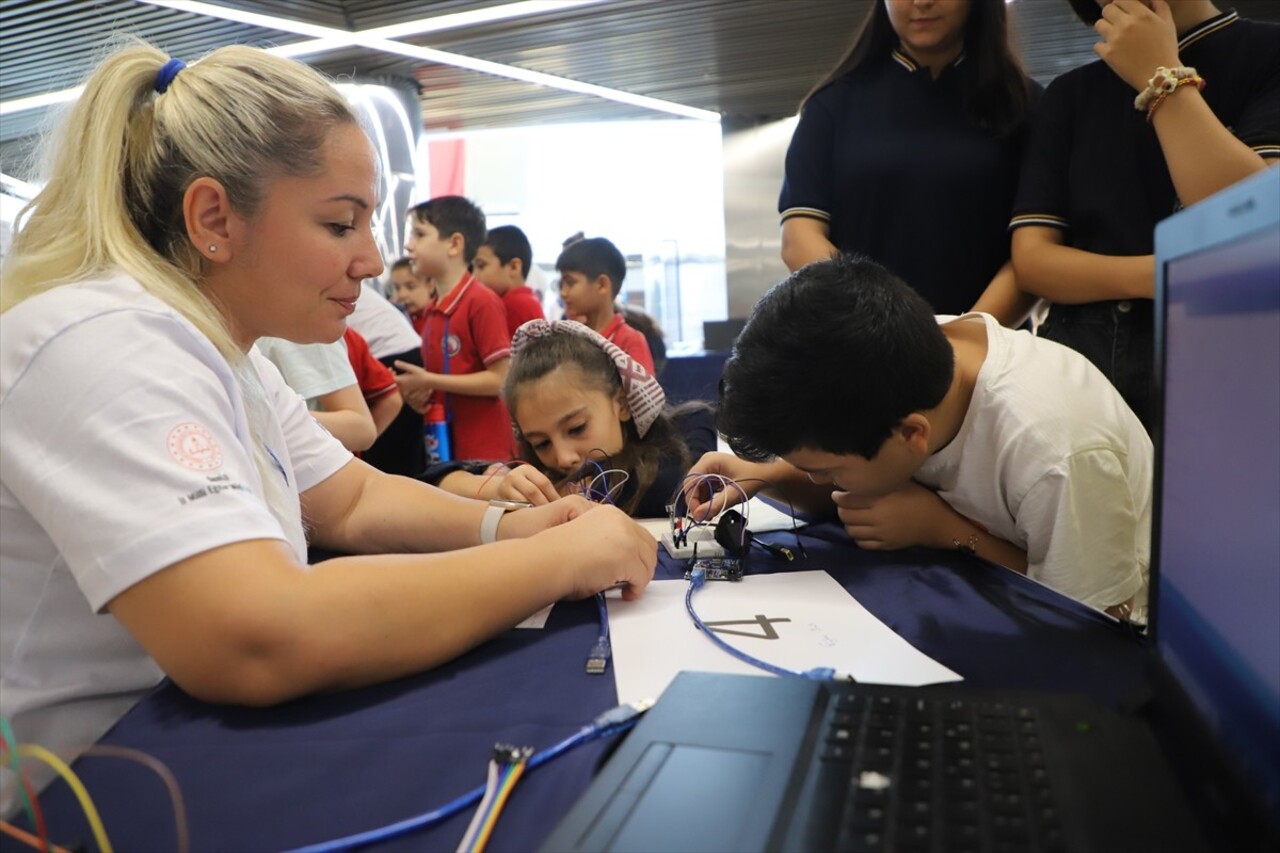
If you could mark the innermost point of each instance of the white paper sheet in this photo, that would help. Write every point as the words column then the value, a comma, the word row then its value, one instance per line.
column 537, row 620
column 795, row 620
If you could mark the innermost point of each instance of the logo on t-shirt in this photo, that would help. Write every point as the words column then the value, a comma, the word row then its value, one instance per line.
column 452, row 345
column 194, row 447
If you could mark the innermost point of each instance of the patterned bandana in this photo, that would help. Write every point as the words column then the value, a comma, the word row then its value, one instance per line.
column 645, row 397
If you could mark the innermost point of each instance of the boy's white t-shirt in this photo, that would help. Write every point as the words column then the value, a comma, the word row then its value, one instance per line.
column 1050, row 458
column 125, row 449
column 384, row 327
column 312, row 370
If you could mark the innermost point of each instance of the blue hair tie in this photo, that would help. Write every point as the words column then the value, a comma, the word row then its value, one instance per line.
column 167, row 72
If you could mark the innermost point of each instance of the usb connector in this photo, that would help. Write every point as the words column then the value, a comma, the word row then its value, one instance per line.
column 598, row 658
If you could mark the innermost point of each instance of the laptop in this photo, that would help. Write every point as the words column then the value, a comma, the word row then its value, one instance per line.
column 744, row 763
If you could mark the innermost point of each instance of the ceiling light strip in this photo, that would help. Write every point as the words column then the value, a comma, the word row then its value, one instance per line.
column 339, row 38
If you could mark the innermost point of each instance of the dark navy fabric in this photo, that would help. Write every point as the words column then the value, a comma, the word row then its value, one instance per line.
column 888, row 158
column 325, row 766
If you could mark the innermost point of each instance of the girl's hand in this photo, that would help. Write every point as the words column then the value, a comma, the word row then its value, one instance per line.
column 912, row 515
column 1137, row 40
column 523, row 483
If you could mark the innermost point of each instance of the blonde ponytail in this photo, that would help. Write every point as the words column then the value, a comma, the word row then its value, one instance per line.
column 122, row 159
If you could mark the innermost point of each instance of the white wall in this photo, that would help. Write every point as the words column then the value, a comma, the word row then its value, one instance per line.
column 655, row 188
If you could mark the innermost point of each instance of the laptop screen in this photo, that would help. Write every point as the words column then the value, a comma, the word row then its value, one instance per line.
column 1218, row 591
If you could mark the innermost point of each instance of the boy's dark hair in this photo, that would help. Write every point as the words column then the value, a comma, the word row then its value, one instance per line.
column 996, row 91
column 594, row 256
column 507, row 242
column 640, row 457
column 832, row 359
column 1086, row 10
column 453, row 214
column 402, row 264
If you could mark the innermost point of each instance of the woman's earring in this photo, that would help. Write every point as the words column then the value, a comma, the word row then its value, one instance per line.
column 213, row 247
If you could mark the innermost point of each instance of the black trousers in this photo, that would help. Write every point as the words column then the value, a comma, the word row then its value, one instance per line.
column 1118, row 337
column 400, row 448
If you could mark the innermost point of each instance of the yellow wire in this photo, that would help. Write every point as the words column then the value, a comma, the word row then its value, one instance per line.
column 39, row 753
column 499, row 802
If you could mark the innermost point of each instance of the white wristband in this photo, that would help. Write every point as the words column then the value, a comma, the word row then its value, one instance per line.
column 489, row 524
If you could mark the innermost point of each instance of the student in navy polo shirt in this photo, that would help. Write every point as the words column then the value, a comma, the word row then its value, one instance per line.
column 465, row 344
column 501, row 264
column 908, row 153
column 1101, row 172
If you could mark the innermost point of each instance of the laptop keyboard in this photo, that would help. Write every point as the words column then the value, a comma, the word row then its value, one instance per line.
column 939, row 775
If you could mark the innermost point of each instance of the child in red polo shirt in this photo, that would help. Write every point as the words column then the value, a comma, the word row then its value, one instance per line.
column 377, row 383
column 465, row 343
column 591, row 273
column 412, row 293
column 501, row 264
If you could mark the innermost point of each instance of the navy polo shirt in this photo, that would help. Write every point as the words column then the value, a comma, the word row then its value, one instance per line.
column 1094, row 166
column 887, row 157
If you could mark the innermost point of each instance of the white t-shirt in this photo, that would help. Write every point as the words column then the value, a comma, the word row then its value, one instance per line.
column 1052, row 459
column 383, row 326
column 310, row 369
column 124, row 448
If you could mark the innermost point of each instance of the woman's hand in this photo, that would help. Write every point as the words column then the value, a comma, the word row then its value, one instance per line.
column 1137, row 40
column 909, row 516
column 605, row 548
column 523, row 483
column 602, row 546
column 521, row 523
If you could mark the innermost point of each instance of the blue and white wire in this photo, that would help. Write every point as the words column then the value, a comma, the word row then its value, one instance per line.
column 697, row 579
column 611, row 722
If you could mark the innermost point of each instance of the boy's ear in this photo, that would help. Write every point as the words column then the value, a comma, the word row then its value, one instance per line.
column 457, row 244
column 514, row 266
column 604, row 284
column 914, row 430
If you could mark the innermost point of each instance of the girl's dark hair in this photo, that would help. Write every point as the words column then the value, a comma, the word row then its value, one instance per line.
column 641, row 457
column 996, row 89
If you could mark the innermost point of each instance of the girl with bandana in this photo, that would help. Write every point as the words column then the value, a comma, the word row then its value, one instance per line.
column 588, row 420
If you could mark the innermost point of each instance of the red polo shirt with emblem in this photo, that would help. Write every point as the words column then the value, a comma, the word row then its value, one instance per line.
column 522, row 306
column 629, row 340
column 465, row 332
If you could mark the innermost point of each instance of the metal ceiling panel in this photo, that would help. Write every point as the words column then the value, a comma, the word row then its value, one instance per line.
column 748, row 59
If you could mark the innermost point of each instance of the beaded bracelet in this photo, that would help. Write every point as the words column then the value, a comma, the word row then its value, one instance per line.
column 1165, row 80
column 1196, row 81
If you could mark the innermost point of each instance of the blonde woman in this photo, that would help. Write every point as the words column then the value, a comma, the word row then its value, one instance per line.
column 157, row 509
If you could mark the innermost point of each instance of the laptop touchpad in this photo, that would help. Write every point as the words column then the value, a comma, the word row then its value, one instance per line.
column 680, row 797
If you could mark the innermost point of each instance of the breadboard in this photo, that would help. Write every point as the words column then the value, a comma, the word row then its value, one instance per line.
column 704, row 537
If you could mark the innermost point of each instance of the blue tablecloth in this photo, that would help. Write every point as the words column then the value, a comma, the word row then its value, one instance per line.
column 325, row 766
